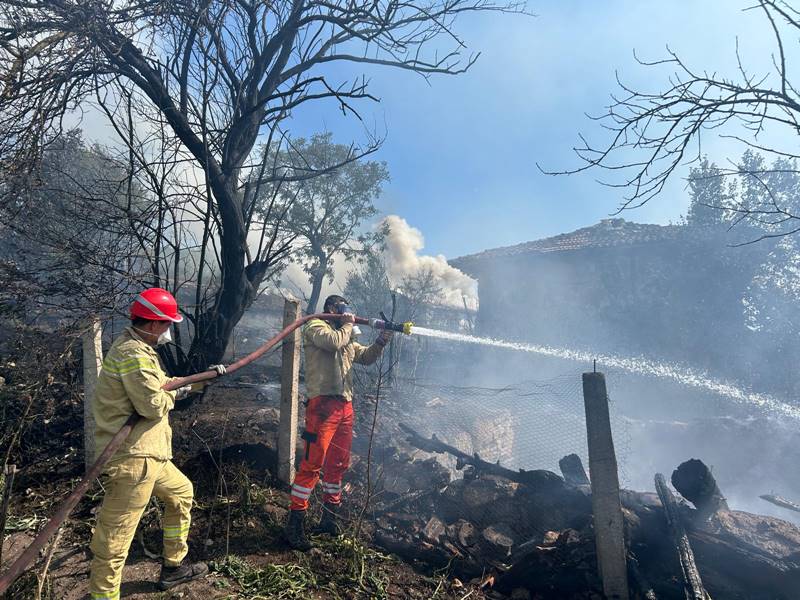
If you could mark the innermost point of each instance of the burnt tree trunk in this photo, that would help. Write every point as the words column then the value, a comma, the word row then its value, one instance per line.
column 317, row 279
column 572, row 470
column 538, row 479
column 694, row 481
column 693, row 585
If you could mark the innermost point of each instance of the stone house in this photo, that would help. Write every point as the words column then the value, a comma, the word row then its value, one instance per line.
column 671, row 292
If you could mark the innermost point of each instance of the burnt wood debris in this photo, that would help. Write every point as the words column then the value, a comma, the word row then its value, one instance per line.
column 693, row 584
column 533, row 530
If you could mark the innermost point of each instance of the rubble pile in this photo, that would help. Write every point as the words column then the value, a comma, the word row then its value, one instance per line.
column 475, row 520
column 533, row 532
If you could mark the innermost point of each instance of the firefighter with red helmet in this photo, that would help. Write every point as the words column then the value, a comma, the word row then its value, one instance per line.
column 131, row 381
column 330, row 354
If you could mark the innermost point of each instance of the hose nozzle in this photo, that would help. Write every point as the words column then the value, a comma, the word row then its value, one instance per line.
column 404, row 328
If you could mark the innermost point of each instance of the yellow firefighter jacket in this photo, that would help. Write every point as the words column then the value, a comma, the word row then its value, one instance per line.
column 330, row 354
column 130, row 382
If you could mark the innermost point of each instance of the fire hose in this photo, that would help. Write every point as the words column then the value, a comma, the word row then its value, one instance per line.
column 44, row 535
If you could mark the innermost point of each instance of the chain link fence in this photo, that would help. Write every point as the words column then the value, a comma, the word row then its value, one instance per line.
column 475, row 472
column 528, row 425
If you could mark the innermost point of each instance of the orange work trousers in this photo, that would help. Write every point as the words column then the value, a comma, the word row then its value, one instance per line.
column 328, row 436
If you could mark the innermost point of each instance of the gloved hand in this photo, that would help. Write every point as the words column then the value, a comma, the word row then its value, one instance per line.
column 182, row 392
column 385, row 337
column 220, row 369
column 347, row 318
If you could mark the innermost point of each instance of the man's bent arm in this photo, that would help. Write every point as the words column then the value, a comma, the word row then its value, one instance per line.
column 367, row 355
column 143, row 384
column 328, row 338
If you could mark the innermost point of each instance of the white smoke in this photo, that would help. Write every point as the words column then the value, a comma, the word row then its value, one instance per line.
column 294, row 280
column 403, row 259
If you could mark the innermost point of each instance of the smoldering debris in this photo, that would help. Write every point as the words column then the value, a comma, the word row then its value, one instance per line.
column 535, row 533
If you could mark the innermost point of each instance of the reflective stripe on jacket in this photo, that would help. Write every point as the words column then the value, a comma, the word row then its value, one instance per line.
column 130, row 382
column 330, row 354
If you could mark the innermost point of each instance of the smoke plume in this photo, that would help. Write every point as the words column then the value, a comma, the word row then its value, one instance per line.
column 403, row 259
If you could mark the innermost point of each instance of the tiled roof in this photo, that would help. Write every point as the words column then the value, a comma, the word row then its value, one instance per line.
column 607, row 233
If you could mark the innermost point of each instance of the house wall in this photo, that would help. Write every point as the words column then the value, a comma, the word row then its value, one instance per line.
column 677, row 300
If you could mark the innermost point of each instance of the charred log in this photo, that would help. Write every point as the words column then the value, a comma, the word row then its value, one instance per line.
column 538, row 478
column 564, row 569
column 572, row 470
column 693, row 584
column 782, row 502
column 695, row 482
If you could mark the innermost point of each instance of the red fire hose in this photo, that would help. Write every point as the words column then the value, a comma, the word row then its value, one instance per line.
column 27, row 557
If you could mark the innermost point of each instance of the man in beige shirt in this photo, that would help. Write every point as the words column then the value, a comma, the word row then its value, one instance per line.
column 330, row 354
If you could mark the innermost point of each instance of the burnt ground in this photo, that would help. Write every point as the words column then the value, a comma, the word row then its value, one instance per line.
column 455, row 531
column 225, row 443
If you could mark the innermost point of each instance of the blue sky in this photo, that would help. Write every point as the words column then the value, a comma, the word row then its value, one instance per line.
column 463, row 150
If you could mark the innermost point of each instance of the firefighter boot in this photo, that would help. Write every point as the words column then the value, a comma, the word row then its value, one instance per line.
column 294, row 532
column 172, row 576
column 329, row 522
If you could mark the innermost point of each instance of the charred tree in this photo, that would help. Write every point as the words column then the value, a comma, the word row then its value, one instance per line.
column 213, row 79
column 572, row 470
column 695, row 482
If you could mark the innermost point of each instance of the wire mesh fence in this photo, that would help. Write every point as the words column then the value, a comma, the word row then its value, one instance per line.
column 477, row 470
column 528, row 425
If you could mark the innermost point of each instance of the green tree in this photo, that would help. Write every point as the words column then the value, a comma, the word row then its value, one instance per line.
column 421, row 290
column 770, row 194
column 368, row 287
column 752, row 179
column 326, row 212
column 707, row 195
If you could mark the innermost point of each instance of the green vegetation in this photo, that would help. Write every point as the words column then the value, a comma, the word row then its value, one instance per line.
column 273, row 582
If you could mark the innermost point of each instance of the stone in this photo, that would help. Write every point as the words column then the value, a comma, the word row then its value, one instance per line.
column 397, row 485
column 434, row 529
column 498, row 539
column 550, row 537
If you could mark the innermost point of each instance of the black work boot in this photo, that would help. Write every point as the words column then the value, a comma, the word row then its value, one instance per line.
column 172, row 576
column 329, row 522
column 294, row 532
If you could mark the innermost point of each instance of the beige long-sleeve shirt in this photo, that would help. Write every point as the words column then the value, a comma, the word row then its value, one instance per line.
column 131, row 381
column 330, row 355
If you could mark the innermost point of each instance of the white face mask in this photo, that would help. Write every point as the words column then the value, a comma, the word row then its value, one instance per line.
column 164, row 338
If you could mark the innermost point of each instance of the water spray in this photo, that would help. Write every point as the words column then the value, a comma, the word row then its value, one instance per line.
column 634, row 365
column 63, row 511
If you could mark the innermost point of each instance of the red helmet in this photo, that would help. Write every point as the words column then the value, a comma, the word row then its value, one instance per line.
column 155, row 304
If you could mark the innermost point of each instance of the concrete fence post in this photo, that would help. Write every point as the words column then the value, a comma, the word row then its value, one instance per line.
column 290, row 382
column 92, row 362
column 606, row 505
